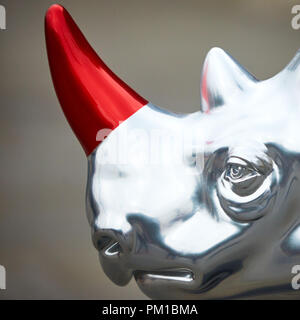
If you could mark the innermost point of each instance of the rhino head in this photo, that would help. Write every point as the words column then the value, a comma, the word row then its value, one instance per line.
column 196, row 206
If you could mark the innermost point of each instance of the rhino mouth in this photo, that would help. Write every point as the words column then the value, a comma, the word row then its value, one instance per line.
column 154, row 283
column 178, row 275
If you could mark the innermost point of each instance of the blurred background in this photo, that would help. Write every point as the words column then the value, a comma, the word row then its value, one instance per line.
column 158, row 48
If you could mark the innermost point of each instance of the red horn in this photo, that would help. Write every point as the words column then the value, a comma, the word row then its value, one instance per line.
column 91, row 95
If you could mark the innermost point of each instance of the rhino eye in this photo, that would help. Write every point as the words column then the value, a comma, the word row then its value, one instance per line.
column 237, row 173
column 245, row 187
column 242, row 177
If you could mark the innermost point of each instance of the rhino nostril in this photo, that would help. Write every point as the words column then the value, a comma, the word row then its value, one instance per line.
column 103, row 242
column 108, row 246
column 114, row 249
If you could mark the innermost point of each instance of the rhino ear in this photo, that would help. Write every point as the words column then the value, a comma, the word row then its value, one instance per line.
column 222, row 79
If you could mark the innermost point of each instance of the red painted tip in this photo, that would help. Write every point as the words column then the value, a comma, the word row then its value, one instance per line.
column 91, row 95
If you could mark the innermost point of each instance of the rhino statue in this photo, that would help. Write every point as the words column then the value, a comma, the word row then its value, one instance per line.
column 193, row 206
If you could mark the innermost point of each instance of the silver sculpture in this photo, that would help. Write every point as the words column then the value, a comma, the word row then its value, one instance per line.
column 219, row 216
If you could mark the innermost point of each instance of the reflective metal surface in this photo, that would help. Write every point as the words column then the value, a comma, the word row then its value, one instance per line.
column 199, row 206
column 227, row 228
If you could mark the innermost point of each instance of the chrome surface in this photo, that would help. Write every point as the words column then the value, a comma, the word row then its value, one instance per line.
column 219, row 215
